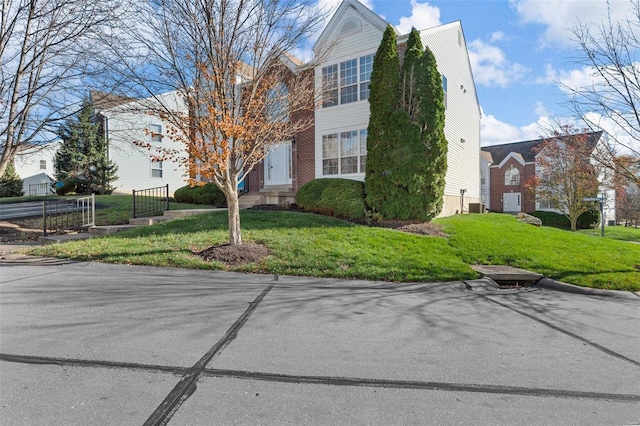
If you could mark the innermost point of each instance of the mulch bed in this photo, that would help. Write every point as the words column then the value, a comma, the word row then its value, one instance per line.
column 235, row 255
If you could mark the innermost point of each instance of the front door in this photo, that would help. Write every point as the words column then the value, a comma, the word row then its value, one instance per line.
column 511, row 202
column 277, row 170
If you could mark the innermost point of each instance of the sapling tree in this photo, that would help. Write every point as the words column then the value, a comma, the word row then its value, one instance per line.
column 228, row 61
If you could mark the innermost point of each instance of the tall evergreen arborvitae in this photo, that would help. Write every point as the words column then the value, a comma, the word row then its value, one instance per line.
column 412, row 75
column 383, row 99
column 431, row 117
column 405, row 177
column 81, row 162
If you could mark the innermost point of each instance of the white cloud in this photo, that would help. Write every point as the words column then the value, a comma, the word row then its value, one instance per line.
column 571, row 80
column 560, row 16
column 497, row 36
column 541, row 110
column 423, row 16
column 496, row 132
column 490, row 65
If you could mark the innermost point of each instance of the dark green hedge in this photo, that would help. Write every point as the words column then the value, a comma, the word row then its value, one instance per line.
column 585, row 221
column 333, row 197
column 208, row 194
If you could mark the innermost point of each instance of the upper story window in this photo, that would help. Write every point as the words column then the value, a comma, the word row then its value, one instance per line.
column 330, row 86
column 444, row 89
column 43, row 164
column 349, row 81
column 512, row 176
column 155, row 132
column 278, row 103
column 353, row 84
column 366, row 66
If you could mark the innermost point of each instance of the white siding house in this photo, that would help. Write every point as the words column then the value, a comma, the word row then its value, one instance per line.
column 129, row 122
column 347, row 46
column 34, row 165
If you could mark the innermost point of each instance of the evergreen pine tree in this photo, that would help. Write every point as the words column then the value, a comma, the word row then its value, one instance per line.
column 431, row 110
column 383, row 100
column 405, row 174
column 412, row 75
column 81, row 162
column 10, row 183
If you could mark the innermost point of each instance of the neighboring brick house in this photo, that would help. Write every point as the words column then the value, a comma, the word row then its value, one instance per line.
column 511, row 165
column 336, row 146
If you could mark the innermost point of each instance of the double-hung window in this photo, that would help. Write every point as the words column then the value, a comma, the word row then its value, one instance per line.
column 366, row 65
column 156, row 169
column 155, row 132
column 330, row 86
column 352, row 84
column 349, row 81
column 344, row 152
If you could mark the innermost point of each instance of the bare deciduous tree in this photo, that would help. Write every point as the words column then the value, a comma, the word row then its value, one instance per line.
column 228, row 61
column 46, row 54
column 610, row 52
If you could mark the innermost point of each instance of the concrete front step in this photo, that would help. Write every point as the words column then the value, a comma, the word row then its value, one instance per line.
column 168, row 215
column 267, row 196
column 109, row 229
column 250, row 199
column 151, row 220
column 183, row 213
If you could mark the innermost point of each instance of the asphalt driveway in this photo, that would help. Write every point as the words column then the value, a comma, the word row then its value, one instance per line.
column 93, row 344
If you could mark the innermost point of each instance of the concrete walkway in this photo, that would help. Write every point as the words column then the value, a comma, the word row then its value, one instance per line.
column 88, row 343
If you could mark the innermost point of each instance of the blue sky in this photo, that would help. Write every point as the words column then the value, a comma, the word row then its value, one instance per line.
column 520, row 51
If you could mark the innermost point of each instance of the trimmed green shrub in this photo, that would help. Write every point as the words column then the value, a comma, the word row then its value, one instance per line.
column 208, row 194
column 586, row 220
column 333, row 197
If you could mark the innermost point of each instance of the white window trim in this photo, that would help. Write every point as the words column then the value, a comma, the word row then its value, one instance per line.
column 360, row 154
column 339, row 86
column 160, row 168
column 153, row 134
column 511, row 181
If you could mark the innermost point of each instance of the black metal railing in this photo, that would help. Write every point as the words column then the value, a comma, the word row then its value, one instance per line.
column 74, row 214
column 40, row 189
column 151, row 201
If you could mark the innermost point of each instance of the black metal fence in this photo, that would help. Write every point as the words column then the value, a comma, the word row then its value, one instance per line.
column 151, row 201
column 74, row 214
column 40, row 189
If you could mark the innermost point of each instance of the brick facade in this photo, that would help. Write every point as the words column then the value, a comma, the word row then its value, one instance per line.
column 302, row 154
column 498, row 186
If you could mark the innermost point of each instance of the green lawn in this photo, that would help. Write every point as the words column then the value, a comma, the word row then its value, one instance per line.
column 616, row 232
column 312, row 245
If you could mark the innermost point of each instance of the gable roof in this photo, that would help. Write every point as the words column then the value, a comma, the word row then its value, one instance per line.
column 103, row 100
column 366, row 13
column 527, row 149
column 445, row 27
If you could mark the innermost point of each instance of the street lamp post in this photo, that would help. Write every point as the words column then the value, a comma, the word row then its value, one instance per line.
column 600, row 201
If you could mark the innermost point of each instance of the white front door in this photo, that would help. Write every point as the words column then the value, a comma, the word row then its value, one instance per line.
column 277, row 165
column 511, row 202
